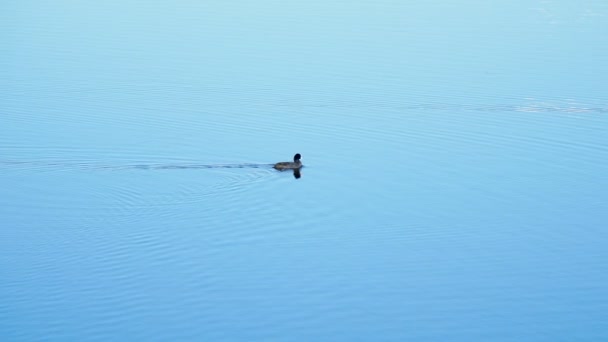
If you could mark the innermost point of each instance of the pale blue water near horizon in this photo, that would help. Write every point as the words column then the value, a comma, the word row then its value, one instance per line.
column 454, row 189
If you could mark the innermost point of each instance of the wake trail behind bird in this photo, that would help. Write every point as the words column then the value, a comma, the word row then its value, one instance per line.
column 118, row 167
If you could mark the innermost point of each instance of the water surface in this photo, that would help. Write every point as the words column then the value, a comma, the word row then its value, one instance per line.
column 454, row 185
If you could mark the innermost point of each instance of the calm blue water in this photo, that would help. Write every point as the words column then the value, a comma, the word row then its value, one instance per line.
column 454, row 189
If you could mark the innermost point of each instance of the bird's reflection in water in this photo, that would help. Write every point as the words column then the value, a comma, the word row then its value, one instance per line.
column 296, row 173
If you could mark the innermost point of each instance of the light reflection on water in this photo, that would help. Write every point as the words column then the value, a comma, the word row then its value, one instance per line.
column 454, row 185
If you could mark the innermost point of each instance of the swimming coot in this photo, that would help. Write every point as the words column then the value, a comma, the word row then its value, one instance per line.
column 296, row 164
